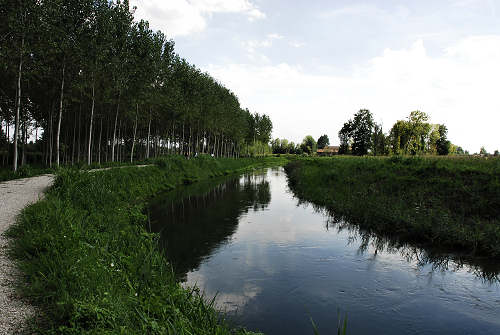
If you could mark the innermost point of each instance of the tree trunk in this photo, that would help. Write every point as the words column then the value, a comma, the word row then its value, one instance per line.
column 7, row 131
column 60, row 114
column 156, row 142
column 190, row 142
column 51, row 128
column 149, row 133
column 18, row 103
column 197, row 147
column 182, row 144
column 119, row 141
column 100, row 139
column 79, row 132
column 74, row 142
column 173, row 137
column 23, row 135
column 89, row 151
column 135, row 132
column 114, row 130
column 107, row 140
column 221, row 142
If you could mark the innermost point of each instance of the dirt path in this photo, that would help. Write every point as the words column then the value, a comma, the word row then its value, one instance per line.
column 14, row 196
column 120, row 167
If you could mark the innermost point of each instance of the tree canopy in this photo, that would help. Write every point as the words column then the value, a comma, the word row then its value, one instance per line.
column 323, row 141
column 356, row 134
column 415, row 135
column 92, row 84
column 309, row 145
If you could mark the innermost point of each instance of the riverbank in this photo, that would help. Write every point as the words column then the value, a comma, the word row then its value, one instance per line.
column 451, row 203
column 89, row 263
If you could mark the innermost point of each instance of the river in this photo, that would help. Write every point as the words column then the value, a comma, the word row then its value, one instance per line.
column 274, row 263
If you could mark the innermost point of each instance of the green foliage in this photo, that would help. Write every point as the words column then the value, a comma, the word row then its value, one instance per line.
column 91, row 265
column 341, row 326
column 3, row 138
column 116, row 87
column 345, row 136
column 23, row 172
column 263, row 128
column 444, row 202
column 442, row 144
column 416, row 136
column 362, row 128
column 323, row 141
column 460, row 151
column 309, row 145
column 257, row 149
column 380, row 145
column 356, row 134
column 284, row 147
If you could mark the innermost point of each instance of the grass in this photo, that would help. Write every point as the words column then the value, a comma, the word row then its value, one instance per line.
column 24, row 171
column 453, row 203
column 93, row 268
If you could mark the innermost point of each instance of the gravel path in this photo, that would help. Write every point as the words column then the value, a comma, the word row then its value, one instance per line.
column 121, row 167
column 14, row 196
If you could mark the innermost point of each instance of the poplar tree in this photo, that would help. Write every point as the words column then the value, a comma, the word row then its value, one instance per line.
column 98, row 85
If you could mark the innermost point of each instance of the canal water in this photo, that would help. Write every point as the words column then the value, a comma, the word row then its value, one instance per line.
column 274, row 263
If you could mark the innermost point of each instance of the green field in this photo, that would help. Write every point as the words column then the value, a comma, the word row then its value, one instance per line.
column 91, row 265
column 450, row 203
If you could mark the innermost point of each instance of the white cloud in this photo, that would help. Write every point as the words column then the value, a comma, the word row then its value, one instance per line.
column 227, row 301
column 368, row 12
column 458, row 88
column 361, row 9
column 296, row 44
column 253, row 46
column 183, row 17
column 275, row 37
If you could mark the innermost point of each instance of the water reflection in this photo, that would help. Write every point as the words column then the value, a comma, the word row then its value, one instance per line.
column 422, row 255
column 197, row 219
column 276, row 261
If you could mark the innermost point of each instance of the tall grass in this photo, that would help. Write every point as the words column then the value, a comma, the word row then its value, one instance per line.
column 447, row 202
column 91, row 265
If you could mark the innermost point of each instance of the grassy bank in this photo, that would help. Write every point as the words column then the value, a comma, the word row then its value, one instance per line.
column 92, row 267
column 443, row 202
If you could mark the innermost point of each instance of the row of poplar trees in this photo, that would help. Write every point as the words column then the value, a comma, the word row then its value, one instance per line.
column 86, row 82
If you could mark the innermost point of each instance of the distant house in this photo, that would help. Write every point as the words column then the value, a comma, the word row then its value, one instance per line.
column 328, row 151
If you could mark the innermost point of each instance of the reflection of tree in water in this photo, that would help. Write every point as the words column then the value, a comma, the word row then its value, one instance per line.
column 422, row 255
column 197, row 219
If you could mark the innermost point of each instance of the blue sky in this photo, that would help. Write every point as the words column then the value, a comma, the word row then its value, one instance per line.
column 310, row 65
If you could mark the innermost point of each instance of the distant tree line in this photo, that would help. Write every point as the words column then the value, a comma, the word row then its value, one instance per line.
column 88, row 83
column 361, row 135
column 415, row 135
column 308, row 145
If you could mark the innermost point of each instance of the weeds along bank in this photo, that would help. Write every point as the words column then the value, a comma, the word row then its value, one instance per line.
column 444, row 202
column 91, row 265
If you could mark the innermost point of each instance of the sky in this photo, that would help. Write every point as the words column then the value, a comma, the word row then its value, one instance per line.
column 310, row 65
